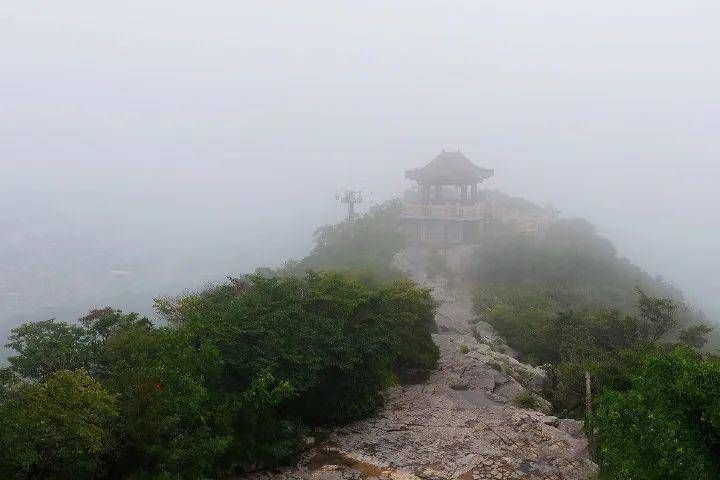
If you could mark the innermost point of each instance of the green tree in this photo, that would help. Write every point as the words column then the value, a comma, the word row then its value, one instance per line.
column 164, row 382
column 336, row 341
column 48, row 346
column 667, row 425
column 695, row 336
column 577, row 266
column 658, row 315
column 58, row 428
column 534, row 319
column 235, row 379
column 160, row 380
column 7, row 380
column 367, row 254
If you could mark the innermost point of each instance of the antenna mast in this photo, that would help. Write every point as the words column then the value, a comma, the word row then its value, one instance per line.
column 350, row 197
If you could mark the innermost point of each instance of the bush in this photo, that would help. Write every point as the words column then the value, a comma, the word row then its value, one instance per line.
column 57, row 428
column 580, row 268
column 667, row 425
column 368, row 254
column 48, row 346
column 608, row 344
column 171, row 420
column 236, row 379
column 526, row 399
column 567, row 302
column 337, row 342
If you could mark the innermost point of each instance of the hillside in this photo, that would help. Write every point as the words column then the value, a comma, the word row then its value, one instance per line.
column 562, row 299
column 375, row 357
column 468, row 420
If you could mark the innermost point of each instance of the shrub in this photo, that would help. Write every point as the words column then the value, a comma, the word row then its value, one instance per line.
column 234, row 381
column 695, row 336
column 526, row 399
column 608, row 344
column 366, row 254
column 567, row 302
column 48, row 346
column 337, row 342
column 171, row 420
column 667, row 425
column 576, row 266
column 57, row 428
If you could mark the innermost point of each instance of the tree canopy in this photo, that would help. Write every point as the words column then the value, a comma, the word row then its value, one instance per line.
column 565, row 301
column 366, row 254
column 235, row 380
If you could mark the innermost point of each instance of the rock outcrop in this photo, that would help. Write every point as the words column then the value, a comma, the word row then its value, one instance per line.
column 462, row 423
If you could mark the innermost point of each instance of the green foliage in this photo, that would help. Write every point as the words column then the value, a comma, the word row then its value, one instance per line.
column 608, row 344
column 58, row 428
column 566, row 302
column 330, row 342
column 234, row 380
column 367, row 254
column 695, row 336
column 7, row 380
column 158, row 378
column 578, row 265
column 47, row 346
column 608, row 370
column 526, row 399
column 658, row 315
column 409, row 317
column 518, row 314
column 169, row 415
column 667, row 425
column 336, row 341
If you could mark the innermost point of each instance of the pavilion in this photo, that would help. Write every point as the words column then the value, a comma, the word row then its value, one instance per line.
column 448, row 207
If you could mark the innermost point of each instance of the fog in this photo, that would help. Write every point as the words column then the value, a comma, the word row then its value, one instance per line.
column 150, row 147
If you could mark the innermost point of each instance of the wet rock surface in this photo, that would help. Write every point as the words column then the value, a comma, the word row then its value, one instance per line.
column 461, row 423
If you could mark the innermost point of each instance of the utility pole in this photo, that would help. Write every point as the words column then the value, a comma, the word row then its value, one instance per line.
column 350, row 197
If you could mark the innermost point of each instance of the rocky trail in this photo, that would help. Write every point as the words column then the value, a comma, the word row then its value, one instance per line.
column 460, row 423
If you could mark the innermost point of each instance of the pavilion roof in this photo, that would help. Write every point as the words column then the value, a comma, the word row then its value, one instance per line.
column 449, row 168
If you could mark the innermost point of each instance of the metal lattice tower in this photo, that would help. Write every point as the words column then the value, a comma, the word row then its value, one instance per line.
column 350, row 197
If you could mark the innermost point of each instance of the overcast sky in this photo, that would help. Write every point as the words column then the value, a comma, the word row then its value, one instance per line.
column 227, row 126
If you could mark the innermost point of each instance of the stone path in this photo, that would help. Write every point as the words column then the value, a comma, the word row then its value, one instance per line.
column 460, row 424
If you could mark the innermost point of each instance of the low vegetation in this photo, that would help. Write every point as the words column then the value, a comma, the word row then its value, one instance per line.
column 237, row 378
column 568, row 303
column 579, row 268
column 240, row 373
column 526, row 399
column 666, row 424
column 367, row 254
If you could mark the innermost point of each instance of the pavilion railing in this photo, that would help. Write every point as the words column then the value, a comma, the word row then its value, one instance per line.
column 444, row 211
